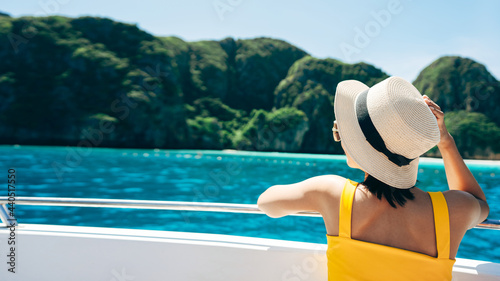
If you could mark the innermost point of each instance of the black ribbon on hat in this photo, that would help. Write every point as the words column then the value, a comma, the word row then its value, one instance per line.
column 371, row 134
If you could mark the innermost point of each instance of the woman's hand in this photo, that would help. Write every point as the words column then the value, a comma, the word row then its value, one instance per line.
column 445, row 136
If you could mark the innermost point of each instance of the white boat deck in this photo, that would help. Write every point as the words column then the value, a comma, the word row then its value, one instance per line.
column 50, row 252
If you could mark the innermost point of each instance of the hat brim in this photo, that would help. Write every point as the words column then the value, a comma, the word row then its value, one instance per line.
column 368, row 158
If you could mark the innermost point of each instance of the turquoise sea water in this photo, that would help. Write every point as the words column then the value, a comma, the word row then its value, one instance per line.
column 204, row 176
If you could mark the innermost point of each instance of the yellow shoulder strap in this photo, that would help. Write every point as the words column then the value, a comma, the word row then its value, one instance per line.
column 345, row 209
column 441, row 223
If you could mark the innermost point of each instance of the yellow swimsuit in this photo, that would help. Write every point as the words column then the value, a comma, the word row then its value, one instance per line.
column 350, row 259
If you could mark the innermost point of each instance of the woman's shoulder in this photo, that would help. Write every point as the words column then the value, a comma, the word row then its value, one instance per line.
column 464, row 209
column 329, row 179
column 458, row 200
column 330, row 184
column 329, row 190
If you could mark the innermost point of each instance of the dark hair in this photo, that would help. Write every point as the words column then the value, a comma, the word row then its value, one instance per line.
column 390, row 193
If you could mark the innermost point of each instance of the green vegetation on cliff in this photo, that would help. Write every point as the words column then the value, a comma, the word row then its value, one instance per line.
column 457, row 83
column 474, row 133
column 66, row 81
column 282, row 130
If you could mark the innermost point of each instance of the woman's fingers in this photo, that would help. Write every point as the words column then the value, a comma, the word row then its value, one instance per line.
column 435, row 109
column 430, row 102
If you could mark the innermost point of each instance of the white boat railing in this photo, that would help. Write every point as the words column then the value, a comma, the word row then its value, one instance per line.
column 8, row 204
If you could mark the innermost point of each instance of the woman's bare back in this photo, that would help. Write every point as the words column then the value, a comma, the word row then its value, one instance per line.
column 410, row 227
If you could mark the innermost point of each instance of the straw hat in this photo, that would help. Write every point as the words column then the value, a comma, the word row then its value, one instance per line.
column 385, row 128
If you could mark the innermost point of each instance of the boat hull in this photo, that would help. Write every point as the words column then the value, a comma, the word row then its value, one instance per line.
column 53, row 252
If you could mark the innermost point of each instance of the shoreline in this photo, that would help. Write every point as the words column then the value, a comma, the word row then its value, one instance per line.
column 271, row 154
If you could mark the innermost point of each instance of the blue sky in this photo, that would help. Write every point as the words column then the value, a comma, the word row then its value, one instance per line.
column 399, row 36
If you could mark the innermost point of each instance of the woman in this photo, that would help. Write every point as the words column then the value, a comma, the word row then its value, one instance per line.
column 385, row 228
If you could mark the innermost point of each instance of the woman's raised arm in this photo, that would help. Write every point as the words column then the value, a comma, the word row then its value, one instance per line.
column 457, row 173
